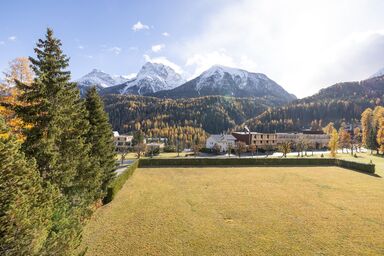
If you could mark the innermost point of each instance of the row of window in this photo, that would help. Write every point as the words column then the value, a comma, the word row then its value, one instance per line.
column 266, row 142
column 261, row 136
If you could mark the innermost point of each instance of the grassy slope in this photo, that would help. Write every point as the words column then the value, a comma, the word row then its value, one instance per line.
column 248, row 211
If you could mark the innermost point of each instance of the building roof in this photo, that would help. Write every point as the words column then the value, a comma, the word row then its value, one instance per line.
column 312, row 132
column 222, row 137
column 247, row 133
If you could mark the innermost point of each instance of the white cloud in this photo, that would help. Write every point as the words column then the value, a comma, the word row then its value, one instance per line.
column 203, row 61
column 165, row 61
column 166, row 34
column 139, row 26
column 81, row 47
column 298, row 43
column 116, row 50
column 157, row 47
column 12, row 38
column 130, row 76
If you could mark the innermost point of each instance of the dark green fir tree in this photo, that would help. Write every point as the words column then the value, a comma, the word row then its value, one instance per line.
column 57, row 140
column 100, row 137
column 25, row 206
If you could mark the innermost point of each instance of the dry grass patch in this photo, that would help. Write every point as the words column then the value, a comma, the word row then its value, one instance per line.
column 242, row 211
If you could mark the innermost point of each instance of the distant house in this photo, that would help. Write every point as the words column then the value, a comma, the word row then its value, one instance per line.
column 121, row 140
column 315, row 139
column 222, row 140
column 261, row 140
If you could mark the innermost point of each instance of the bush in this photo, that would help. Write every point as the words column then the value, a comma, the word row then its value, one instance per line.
column 169, row 149
column 206, row 150
column 369, row 168
column 153, row 152
column 119, row 182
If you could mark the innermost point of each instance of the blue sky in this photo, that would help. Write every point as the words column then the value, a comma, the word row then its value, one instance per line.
column 100, row 34
column 304, row 45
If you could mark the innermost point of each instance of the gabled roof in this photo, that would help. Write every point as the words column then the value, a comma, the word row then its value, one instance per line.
column 222, row 137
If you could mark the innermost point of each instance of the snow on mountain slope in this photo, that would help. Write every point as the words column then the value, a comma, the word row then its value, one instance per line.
column 99, row 79
column 378, row 73
column 220, row 80
column 152, row 77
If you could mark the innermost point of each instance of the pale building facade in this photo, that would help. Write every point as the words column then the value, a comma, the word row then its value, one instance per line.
column 224, row 141
column 121, row 140
column 261, row 140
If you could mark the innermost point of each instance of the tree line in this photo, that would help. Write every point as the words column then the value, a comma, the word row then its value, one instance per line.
column 56, row 155
column 164, row 117
column 340, row 103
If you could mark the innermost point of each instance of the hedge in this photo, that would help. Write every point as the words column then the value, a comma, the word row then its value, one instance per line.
column 119, row 182
column 368, row 168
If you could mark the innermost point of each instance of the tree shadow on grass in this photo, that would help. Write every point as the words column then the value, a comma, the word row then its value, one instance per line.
column 366, row 173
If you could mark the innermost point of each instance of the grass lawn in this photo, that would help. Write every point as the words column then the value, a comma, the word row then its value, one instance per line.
column 242, row 211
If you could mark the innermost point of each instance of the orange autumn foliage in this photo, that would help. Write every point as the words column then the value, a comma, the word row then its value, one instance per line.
column 18, row 70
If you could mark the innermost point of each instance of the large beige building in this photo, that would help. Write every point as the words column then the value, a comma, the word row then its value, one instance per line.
column 315, row 139
column 261, row 140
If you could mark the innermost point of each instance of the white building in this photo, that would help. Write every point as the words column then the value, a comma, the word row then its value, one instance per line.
column 222, row 140
column 121, row 140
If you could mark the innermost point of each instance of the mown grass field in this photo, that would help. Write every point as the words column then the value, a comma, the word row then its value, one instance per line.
column 242, row 211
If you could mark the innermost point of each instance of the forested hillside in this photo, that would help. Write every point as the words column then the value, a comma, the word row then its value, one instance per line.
column 213, row 114
column 343, row 102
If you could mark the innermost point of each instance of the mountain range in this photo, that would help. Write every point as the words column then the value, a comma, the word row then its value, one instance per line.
column 152, row 78
column 161, row 81
column 222, row 99
column 225, row 81
column 100, row 80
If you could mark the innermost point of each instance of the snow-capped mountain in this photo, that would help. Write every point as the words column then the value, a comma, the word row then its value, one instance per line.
column 220, row 80
column 152, row 77
column 378, row 73
column 100, row 79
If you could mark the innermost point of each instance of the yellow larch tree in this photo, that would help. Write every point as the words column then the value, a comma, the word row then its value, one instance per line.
column 18, row 70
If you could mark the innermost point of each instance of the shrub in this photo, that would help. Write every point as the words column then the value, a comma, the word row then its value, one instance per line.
column 119, row 182
column 169, row 148
column 369, row 168
column 153, row 152
column 206, row 150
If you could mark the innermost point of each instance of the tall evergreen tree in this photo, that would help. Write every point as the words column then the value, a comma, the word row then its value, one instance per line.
column 57, row 140
column 52, row 105
column 25, row 207
column 100, row 137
